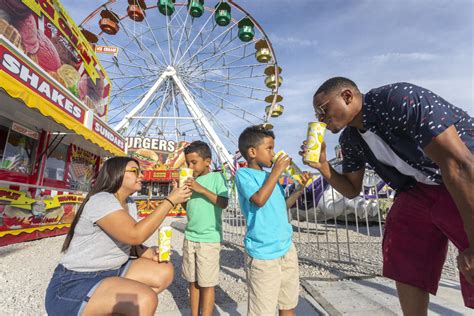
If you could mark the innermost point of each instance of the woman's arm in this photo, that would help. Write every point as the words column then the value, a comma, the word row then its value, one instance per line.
column 122, row 227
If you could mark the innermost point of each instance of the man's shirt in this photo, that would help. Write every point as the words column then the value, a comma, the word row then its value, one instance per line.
column 406, row 117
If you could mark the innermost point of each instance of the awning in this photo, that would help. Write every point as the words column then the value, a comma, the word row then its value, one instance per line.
column 22, row 79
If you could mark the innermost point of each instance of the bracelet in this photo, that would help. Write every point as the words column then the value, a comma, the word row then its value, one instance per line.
column 172, row 204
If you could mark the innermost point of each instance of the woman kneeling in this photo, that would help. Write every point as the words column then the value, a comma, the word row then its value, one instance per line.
column 96, row 274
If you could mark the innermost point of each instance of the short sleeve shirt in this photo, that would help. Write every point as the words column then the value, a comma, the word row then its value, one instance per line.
column 204, row 217
column 407, row 117
column 91, row 248
column 268, row 230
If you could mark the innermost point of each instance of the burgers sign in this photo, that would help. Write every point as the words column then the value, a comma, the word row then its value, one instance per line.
column 156, row 153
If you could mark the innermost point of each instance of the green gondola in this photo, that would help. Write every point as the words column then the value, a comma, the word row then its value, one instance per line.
column 246, row 30
column 166, row 7
column 222, row 14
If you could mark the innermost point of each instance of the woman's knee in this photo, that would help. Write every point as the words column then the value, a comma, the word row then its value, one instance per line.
column 148, row 301
column 166, row 276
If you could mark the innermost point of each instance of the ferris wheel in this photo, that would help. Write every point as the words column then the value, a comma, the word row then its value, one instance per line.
column 186, row 70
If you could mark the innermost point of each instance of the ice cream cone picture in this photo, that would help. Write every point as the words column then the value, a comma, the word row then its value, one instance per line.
column 314, row 140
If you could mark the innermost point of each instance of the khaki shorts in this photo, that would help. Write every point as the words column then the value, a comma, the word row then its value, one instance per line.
column 201, row 262
column 273, row 283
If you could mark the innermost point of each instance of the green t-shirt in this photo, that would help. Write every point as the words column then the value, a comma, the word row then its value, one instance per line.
column 204, row 218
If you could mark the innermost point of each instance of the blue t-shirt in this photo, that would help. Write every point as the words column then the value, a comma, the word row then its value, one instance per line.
column 268, row 230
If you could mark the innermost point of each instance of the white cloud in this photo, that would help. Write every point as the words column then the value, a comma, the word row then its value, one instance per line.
column 402, row 57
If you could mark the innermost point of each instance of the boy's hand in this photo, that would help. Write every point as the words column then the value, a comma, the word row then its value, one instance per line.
column 194, row 185
column 305, row 177
column 281, row 163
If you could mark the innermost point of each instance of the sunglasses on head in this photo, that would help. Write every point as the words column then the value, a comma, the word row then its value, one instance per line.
column 137, row 171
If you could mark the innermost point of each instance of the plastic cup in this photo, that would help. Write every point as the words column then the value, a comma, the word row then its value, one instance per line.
column 164, row 244
column 184, row 174
column 314, row 140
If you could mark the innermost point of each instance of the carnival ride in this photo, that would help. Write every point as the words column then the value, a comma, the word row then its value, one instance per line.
column 184, row 70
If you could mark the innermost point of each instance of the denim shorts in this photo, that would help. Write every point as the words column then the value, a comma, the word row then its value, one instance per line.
column 69, row 291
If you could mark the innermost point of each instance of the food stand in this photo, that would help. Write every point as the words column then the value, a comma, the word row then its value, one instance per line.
column 53, row 108
column 160, row 160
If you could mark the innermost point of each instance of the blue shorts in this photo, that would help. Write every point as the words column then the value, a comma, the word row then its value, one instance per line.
column 69, row 291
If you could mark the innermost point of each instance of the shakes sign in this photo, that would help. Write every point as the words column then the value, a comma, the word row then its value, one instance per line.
column 44, row 32
column 157, row 153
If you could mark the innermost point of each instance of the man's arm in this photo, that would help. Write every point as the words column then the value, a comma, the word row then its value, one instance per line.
column 348, row 184
column 456, row 163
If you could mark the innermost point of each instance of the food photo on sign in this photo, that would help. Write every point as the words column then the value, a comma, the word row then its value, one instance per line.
column 48, row 41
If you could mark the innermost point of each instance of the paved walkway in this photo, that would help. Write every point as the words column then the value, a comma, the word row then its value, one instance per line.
column 378, row 296
column 306, row 307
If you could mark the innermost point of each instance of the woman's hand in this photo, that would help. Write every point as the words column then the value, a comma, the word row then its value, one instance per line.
column 180, row 195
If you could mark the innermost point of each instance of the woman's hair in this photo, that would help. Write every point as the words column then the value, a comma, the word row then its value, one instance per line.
column 109, row 180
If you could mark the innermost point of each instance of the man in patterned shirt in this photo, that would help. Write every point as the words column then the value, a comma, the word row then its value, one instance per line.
column 421, row 145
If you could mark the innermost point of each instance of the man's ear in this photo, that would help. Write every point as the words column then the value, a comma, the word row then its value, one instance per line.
column 208, row 161
column 347, row 96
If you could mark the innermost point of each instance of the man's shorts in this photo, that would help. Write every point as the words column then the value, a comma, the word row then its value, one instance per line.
column 201, row 262
column 273, row 283
column 415, row 244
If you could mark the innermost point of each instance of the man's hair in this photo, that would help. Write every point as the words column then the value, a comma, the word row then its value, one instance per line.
column 336, row 83
column 199, row 147
column 252, row 136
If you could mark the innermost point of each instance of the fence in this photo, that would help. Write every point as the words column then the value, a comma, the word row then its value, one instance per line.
column 335, row 237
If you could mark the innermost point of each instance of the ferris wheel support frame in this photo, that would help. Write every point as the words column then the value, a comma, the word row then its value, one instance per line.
column 196, row 114
column 203, row 123
column 123, row 124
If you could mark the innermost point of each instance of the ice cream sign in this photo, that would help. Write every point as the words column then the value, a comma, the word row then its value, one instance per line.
column 25, row 73
column 44, row 32
column 106, row 132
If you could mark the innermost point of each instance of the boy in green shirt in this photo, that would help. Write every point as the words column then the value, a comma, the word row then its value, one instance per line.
column 203, row 233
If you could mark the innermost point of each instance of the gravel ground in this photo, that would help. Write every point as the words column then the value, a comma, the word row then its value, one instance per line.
column 25, row 268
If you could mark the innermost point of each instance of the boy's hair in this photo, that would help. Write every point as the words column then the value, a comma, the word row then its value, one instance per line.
column 252, row 136
column 199, row 147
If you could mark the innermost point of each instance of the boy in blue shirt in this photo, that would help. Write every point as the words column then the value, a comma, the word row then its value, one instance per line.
column 272, row 262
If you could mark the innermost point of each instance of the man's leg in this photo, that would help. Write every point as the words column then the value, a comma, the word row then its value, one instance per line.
column 414, row 301
column 414, row 248
column 207, row 300
column 194, row 298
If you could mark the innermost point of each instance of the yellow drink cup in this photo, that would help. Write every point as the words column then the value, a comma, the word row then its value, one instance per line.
column 292, row 170
column 184, row 174
column 164, row 244
column 314, row 139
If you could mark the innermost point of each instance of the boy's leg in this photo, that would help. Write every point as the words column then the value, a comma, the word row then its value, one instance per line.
column 414, row 248
column 207, row 272
column 194, row 298
column 263, row 281
column 207, row 300
column 189, row 274
column 290, row 285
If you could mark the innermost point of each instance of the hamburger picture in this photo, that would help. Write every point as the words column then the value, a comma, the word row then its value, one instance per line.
column 147, row 158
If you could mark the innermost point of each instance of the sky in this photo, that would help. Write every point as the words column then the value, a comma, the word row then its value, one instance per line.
column 373, row 42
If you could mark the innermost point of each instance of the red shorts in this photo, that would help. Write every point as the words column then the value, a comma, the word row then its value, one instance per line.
column 415, row 242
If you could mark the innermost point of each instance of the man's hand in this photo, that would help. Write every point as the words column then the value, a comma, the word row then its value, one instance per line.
column 194, row 185
column 280, row 164
column 466, row 264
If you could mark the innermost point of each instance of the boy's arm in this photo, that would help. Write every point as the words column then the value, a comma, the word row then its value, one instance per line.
column 291, row 200
column 215, row 199
column 261, row 196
